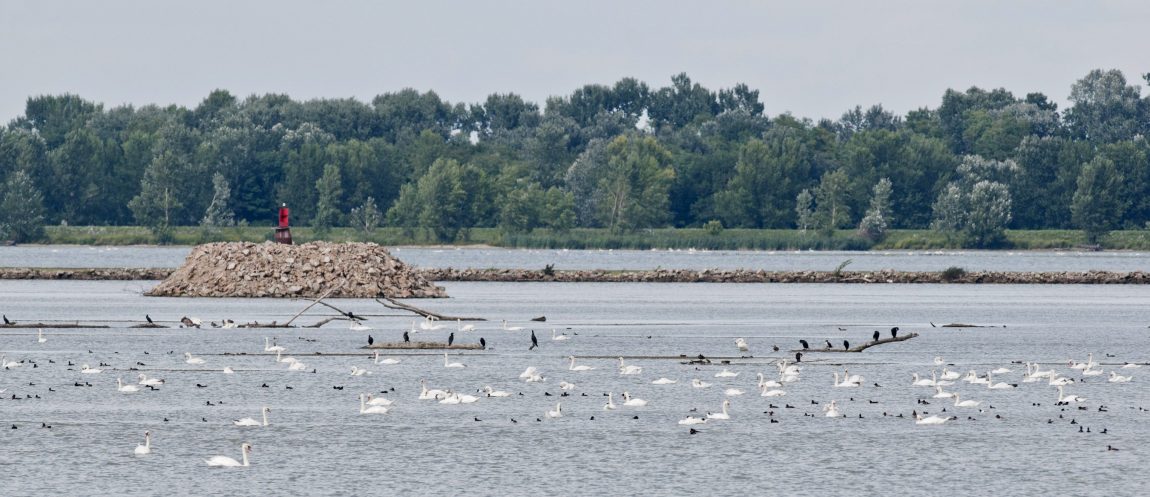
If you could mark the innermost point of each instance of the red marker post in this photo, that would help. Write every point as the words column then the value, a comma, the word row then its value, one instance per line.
column 283, row 232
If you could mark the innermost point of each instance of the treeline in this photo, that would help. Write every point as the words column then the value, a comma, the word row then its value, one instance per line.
column 623, row 157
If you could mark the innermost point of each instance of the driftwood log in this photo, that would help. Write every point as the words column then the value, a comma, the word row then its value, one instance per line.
column 862, row 347
column 423, row 345
column 52, row 325
column 393, row 304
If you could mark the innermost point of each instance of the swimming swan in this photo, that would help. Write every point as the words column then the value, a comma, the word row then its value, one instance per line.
column 146, row 447
column 252, row 422
column 227, row 462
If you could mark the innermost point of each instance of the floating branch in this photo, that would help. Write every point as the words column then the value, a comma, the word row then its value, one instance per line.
column 427, row 314
column 52, row 325
column 862, row 347
column 423, row 345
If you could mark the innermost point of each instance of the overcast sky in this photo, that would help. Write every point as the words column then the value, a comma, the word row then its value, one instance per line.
column 812, row 58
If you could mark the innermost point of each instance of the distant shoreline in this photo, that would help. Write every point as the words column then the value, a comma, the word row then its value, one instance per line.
column 659, row 276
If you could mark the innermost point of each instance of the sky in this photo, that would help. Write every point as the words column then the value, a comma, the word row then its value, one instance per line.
column 812, row 58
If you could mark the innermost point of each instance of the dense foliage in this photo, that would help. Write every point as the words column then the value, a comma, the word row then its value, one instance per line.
column 624, row 157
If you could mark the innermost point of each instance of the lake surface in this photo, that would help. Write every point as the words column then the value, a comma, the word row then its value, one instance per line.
column 70, row 256
column 1018, row 442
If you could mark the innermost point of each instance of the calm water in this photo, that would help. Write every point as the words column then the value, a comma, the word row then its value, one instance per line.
column 318, row 443
column 65, row 256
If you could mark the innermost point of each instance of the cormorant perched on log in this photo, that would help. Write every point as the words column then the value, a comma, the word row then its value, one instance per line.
column 483, row 343
column 805, row 344
column 894, row 332
column 370, row 340
column 846, row 345
column 798, row 357
column 876, row 335
column 450, row 339
column 534, row 341
column 406, row 339
column 149, row 318
column 6, row 321
column 829, row 346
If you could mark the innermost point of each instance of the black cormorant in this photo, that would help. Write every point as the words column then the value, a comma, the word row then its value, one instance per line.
column 805, row 344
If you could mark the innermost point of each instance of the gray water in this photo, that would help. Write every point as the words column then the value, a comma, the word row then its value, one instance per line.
column 71, row 256
column 318, row 443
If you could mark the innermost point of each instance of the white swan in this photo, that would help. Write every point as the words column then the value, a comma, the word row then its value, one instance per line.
column 721, row 415
column 664, row 381
column 697, row 383
column 726, row 374
column 949, row 375
column 610, row 405
column 529, row 372
column 252, row 422
column 150, row 382
column 632, row 401
column 40, row 336
column 558, row 337
column 691, row 420
column 1002, row 370
column 765, row 383
column 851, row 378
column 228, row 370
column 269, row 346
column 146, row 447
column 450, row 399
column 1131, row 365
column 741, row 343
column 447, row 364
column 125, row 388
column 786, row 369
column 356, row 371
column 281, row 358
column 464, row 327
column 557, row 412
column 1082, row 365
column 563, row 385
column 938, row 360
column 772, row 392
column 365, row 409
column 1117, row 378
column 731, row 392
column 297, row 366
column 930, row 420
column 1002, row 385
column 941, row 394
column 389, row 361
column 356, row 325
column 192, row 359
column 227, row 462
column 8, row 364
column 922, row 382
column 1091, row 372
column 511, row 328
column 580, row 367
column 90, row 370
column 625, row 369
column 429, row 324
column 432, row 394
column 832, row 410
column 495, row 393
column 1060, row 380
column 377, row 401
column 965, row 403
column 1066, row 399
column 844, row 383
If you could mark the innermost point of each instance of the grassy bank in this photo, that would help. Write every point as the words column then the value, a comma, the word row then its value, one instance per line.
column 728, row 239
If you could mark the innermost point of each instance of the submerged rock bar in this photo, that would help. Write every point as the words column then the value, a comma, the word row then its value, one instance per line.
column 660, row 276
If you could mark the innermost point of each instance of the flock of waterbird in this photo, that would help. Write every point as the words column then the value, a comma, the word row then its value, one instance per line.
column 950, row 404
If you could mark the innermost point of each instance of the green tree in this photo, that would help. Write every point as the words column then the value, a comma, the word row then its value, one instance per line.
column 1105, row 109
column 21, row 209
column 366, row 217
column 878, row 217
column 219, row 212
column 633, row 189
column 329, row 190
column 805, row 210
column 159, row 205
column 1097, row 207
column 989, row 214
column 831, row 202
column 446, row 201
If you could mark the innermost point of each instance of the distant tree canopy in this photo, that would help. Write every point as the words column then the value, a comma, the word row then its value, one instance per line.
column 626, row 156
